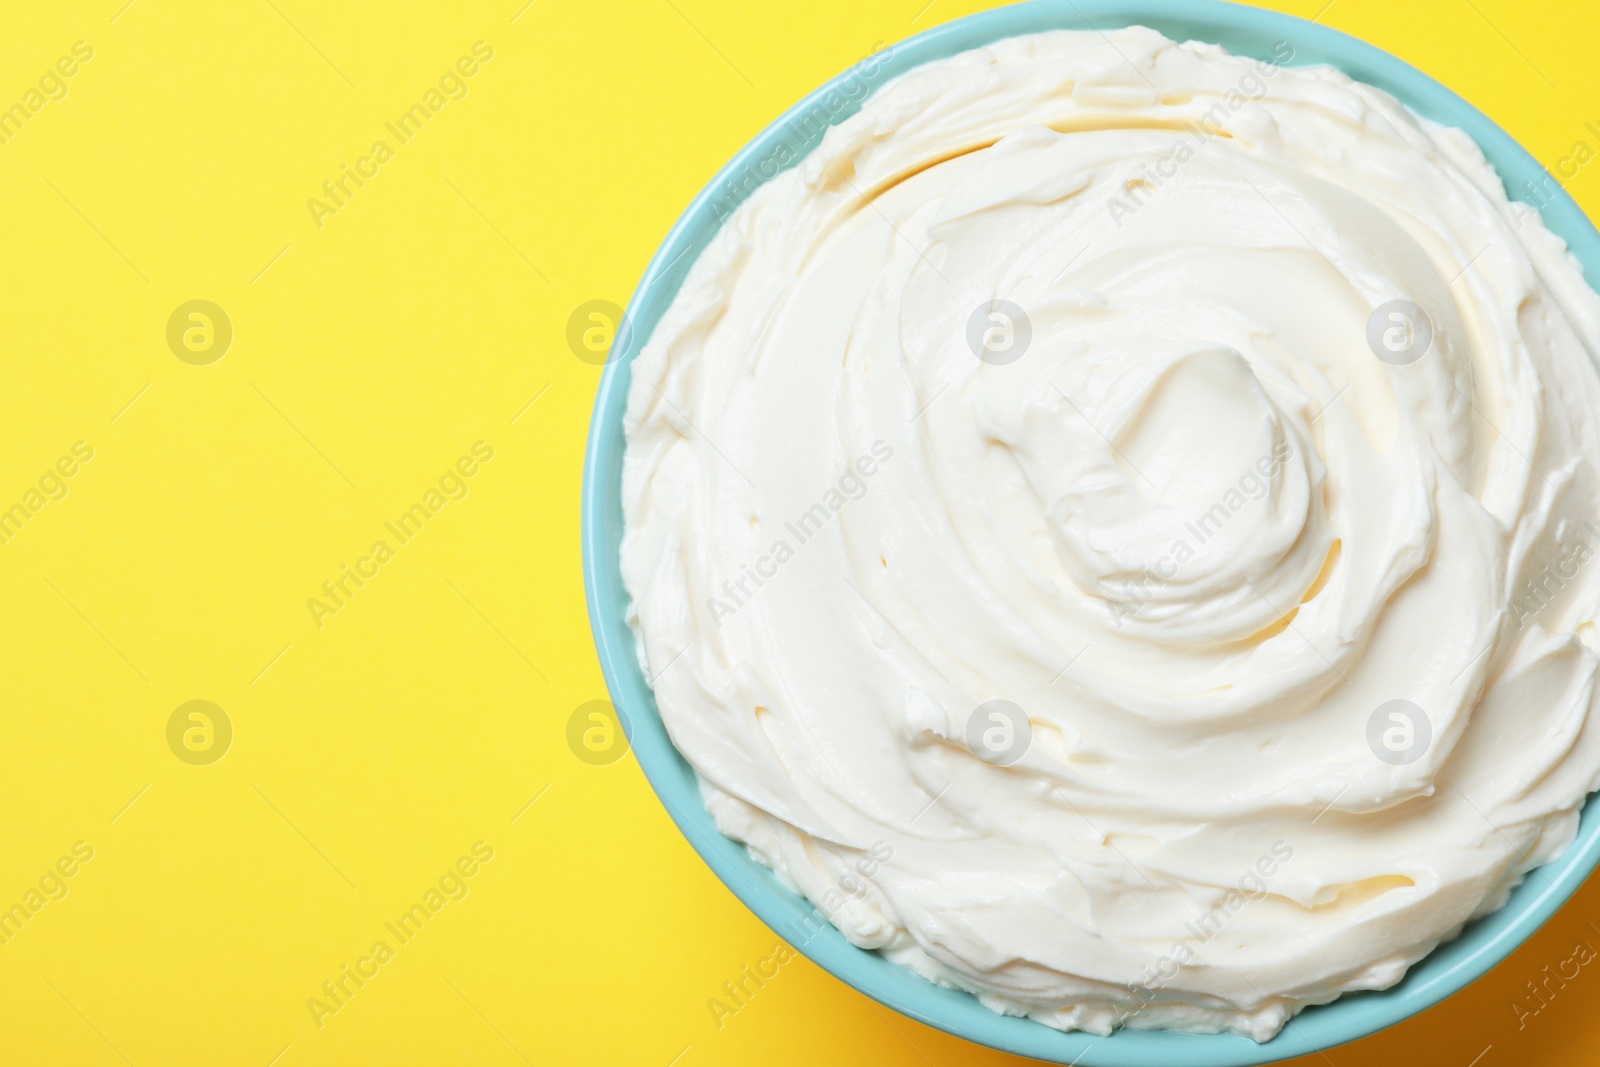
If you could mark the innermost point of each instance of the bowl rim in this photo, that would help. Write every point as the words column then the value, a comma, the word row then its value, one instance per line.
column 1244, row 31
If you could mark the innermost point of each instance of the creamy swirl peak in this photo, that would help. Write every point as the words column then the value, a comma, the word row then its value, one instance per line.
column 1114, row 527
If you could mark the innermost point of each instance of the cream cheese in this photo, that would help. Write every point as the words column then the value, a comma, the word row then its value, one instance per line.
column 1141, row 501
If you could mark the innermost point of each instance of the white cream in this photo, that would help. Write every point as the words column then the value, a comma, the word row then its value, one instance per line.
column 1107, row 529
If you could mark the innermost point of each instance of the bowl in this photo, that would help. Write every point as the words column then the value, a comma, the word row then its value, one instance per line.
column 1244, row 31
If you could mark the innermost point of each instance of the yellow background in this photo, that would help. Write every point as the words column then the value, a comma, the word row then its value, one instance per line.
column 368, row 355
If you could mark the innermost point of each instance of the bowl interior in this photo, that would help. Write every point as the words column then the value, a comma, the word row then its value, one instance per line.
column 1243, row 31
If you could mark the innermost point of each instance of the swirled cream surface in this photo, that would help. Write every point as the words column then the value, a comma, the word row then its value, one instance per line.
column 1115, row 527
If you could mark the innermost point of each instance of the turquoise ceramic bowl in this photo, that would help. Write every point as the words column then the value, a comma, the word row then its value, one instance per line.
column 1242, row 30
